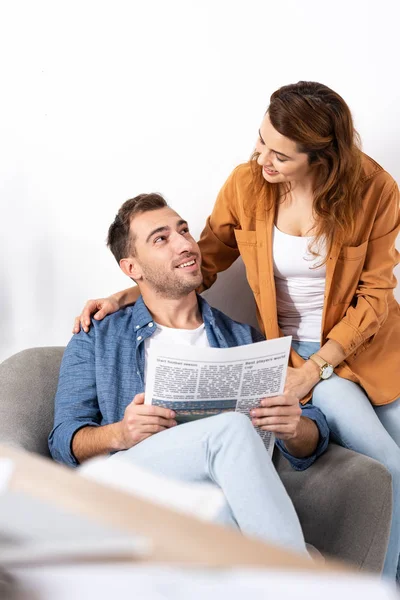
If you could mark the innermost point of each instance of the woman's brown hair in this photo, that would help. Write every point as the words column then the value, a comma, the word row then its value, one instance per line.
column 319, row 121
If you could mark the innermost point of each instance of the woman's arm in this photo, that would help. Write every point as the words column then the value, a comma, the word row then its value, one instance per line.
column 301, row 380
column 217, row 241
column 369, row 308
column 101, row 307
column 218, row 248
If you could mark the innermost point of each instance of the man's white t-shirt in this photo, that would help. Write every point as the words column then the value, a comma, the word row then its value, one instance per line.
column 174, row 337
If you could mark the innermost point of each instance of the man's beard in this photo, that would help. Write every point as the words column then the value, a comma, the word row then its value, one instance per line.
column 165, row 284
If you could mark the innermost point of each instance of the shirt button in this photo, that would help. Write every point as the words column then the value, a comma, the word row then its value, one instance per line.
column 150, row 325
column 139, row 337
column 137, row 326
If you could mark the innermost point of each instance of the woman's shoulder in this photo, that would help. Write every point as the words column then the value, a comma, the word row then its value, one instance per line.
column 374, row 175
column 252, row 192
column 244, row 172
column 248, row 180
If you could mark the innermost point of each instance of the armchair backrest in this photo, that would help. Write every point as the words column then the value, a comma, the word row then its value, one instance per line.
column 28, row 384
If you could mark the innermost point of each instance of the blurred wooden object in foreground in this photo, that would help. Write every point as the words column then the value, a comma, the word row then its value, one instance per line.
column 174, row 538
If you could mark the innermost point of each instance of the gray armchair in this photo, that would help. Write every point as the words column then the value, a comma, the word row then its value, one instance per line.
column 344, row 500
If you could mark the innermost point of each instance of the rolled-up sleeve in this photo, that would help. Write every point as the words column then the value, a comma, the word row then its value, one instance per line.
column 316, row 415
column 76, row 404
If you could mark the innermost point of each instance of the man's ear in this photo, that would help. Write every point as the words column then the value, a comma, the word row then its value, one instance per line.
column 131, row 267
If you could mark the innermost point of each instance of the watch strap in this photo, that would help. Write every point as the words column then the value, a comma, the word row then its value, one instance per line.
column 321, row 362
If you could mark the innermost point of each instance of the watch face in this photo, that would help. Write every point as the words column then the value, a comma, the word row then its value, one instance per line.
column 326, row 371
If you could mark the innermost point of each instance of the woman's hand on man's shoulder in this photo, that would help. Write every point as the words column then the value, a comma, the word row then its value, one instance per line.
column 98, row 308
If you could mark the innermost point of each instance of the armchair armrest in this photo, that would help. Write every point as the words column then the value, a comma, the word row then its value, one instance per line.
column 344, row 503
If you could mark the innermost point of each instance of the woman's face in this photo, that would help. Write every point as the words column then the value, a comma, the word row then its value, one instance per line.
column 279, row 158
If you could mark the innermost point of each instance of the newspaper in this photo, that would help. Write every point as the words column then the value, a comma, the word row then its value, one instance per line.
column 202, row 382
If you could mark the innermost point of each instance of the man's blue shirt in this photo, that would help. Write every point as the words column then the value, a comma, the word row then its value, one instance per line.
column 102, row 371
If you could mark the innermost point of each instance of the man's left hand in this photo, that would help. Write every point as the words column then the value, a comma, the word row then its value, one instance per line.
column 279, row 414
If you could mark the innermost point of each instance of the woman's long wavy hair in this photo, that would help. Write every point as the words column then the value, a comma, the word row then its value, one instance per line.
column 320, row 122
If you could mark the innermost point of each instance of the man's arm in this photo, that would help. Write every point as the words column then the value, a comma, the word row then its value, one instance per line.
column 302, row 432
column 304, row 443
column 297, row 455
column 76, row 403
column 94, row 441
column 140, row 422
column 77, row 434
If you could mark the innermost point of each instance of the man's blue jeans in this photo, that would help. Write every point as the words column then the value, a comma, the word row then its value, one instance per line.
column 226, row 450
column 372, row 430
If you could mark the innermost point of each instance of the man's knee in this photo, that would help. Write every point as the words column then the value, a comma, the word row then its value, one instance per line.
column 235, row 423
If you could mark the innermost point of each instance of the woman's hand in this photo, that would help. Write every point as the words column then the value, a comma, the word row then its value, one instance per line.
column 98, row 308
column 301, row 381
column 105, row 306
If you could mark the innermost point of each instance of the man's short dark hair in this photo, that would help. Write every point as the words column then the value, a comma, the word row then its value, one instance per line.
column 119, row 239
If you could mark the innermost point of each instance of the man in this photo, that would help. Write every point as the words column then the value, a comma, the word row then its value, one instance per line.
column 100, row 401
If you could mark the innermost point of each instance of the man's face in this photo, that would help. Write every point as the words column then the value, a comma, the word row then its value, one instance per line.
column 167, row 259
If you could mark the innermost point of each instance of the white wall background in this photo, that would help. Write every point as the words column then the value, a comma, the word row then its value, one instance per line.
column 103, row 100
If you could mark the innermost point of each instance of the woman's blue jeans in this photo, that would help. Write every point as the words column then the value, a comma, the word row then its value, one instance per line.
column 372, row 430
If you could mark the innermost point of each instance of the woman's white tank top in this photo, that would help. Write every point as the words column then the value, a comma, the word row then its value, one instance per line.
column 300, row 288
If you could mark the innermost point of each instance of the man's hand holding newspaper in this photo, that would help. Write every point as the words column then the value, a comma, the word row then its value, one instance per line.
column 201, row 382
column 141, row 421
column 279, row 415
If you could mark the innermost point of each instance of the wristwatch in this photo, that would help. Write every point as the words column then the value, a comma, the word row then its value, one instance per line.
column 325, row 368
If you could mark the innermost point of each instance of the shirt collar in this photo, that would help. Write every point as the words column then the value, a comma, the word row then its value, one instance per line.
column 142, row 317
column 145, row 326
column 141, row 314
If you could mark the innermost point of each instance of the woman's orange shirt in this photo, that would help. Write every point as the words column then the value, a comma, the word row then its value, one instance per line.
column 360, row 311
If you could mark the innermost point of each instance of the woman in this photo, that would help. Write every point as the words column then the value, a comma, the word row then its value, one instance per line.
column 315, row 221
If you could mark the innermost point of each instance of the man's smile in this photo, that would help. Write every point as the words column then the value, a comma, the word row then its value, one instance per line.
column 189, row 264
